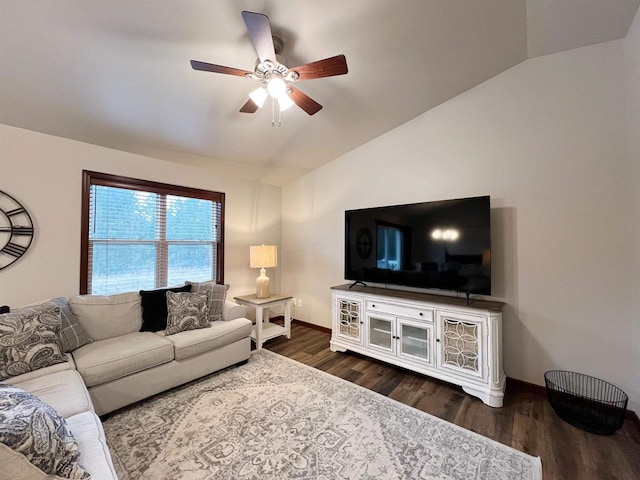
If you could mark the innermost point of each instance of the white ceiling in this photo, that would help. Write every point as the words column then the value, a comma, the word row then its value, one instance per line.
column 116, row 73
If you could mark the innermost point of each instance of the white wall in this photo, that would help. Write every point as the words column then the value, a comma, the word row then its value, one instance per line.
column 547, row 141
column 632, row 50
column 45, row 173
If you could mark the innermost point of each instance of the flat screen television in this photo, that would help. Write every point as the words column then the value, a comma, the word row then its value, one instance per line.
column 432, row 245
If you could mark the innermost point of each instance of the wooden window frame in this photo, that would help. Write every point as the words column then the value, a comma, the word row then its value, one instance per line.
column 90, row 178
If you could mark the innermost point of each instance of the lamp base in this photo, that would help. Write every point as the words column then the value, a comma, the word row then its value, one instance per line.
column 262, row 285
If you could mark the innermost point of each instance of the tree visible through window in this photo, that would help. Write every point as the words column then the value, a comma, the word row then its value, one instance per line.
column 143, row 235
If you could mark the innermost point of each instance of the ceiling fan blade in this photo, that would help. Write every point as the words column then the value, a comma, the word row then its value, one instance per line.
column 322, row 68
column 305, row 102
column 210, row 67
column 249, row 107
column 260, row 33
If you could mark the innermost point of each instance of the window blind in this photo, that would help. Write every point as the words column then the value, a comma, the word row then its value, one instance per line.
column 144, row 236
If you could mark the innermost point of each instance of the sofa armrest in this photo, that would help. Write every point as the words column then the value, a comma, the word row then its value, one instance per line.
column 232, row 310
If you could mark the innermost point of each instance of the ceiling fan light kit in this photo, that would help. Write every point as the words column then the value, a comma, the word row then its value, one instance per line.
column 258, row 96
column 270, row 70
column 276, row 86
column 285, row 102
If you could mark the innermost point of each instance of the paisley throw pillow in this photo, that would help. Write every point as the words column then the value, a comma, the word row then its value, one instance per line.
column 31, row 427
column 187, row 311
column 30, row 339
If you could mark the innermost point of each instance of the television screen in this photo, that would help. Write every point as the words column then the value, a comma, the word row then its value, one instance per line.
column 433, row 245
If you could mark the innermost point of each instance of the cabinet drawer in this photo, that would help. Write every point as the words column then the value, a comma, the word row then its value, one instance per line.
column 407, row 311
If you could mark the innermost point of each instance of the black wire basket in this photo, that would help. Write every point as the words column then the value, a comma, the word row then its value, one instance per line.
column 586, row 402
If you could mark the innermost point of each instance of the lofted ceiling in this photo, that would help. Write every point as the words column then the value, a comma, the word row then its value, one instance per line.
column 116, row 73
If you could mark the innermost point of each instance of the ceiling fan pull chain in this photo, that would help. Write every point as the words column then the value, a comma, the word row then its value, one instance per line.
column 273, row 113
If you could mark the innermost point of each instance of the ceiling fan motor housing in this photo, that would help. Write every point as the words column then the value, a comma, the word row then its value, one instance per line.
column 266, row 70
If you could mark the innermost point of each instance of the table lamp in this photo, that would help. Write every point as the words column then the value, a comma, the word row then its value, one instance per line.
column 263, row 256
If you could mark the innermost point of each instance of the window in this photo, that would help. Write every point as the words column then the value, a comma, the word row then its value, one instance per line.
column 389, row 247
column 143, row 235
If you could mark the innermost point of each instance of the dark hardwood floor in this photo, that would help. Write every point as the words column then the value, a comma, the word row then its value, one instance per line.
column 525, row 422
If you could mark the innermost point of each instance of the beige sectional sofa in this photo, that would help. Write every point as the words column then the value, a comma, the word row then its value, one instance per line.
column 122, row 365
column 62, row 387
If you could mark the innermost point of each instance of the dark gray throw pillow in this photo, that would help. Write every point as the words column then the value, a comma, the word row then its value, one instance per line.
column 154, row 307
column 33, row 428
column 4, row 309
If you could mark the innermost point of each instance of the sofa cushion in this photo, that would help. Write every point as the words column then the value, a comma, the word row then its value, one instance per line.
column 193, row 342
column 30, row 339
column 217, row 296
column 187, row 311
column 64, row 391
column 154, row 307
column 107, row 316
column 94, row 452
column 105, row 360
column 33, row 428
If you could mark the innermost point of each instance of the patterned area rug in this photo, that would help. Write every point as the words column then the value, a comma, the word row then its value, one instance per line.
column 275, row 418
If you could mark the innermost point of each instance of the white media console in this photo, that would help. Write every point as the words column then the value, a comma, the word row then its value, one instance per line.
column 435, row 335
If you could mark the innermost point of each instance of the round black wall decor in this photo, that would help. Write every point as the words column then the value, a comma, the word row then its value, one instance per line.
column 16, row 230
column 364, row 242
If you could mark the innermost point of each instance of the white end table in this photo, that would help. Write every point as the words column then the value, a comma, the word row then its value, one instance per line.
column 263, row 329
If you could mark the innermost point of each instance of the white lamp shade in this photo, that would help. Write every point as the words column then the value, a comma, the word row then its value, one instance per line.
column 258, row 96
column 263, row 256
column 285, row 102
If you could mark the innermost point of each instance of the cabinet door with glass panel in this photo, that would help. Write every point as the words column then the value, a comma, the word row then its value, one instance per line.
column 381, row 333
column 350, row 319
column 415, row 341
column 401, row 337
column 461, row 343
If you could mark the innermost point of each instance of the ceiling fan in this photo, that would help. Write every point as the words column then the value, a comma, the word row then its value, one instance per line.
column 276, row 78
